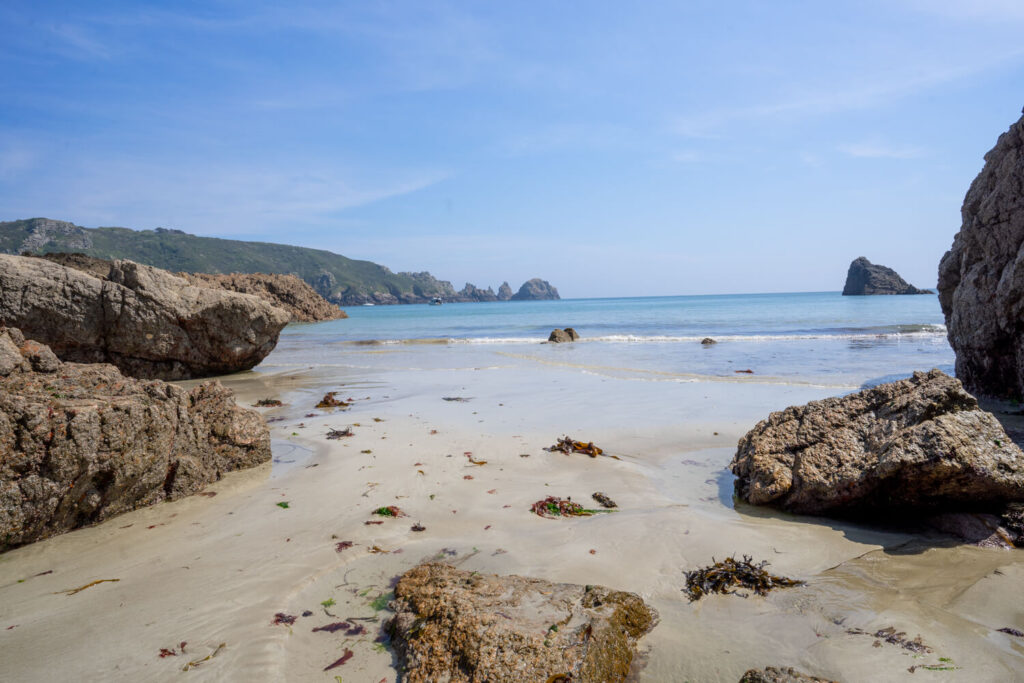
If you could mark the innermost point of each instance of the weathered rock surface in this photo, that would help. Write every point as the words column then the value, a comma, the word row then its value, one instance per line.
column 504, row 292
column 772, row 674
column 981, row 277
column 82, row 443
column 919, row 444
column 562, row 336
column 145, row 321
column 284, row 291
column 473, row 293
column 865, row 277
column 536, row 290
column 708, row 341
column 453, row 625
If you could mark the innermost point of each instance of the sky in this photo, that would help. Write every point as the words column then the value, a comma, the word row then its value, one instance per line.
column 614, row 149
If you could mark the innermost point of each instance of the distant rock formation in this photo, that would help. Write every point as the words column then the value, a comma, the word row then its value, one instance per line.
column 504, row 292
column 82, row 443
column 284, row 291
column 535, row 290
column 144, row 320
column 981, row 277
column 455, row 625
column 563, row 336
column 864, row 277
column 473, row 293
column 45, row 230
column 920, row 445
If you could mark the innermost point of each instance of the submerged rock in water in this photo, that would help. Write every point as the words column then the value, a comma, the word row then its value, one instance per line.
column 865, row 277
column 459, row 626
column 144, row 320
column 563, row 336
column 919, row 444
column 82, row 443
column 772, row 674
column 981, row 277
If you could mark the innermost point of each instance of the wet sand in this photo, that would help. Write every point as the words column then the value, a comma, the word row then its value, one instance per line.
column 216, row 569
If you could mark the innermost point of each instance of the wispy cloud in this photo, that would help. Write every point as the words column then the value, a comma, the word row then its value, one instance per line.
column 880, row 151
column 78, row 42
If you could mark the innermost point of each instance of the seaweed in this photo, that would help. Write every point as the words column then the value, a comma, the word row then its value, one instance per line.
column 557, row 507
column 350, row 629
column 372, row 521
column 389, row 511
column 456, row 399
column 1011, row 631
column 748, row 371
column 567, row 445
column 193, row 664
column 333, row 434
column 173, row 652
column 418, row 527
column 729, row 575
column 381, row 601
column 329, row 401
column 604, row 500
column 343, row 545
column 890, row 635
column 344, row 658
column 267, row 403
column 282, row 619
column 72, row 591
column 283, row 504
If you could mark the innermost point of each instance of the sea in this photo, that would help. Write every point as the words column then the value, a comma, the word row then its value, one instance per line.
column 819, row 338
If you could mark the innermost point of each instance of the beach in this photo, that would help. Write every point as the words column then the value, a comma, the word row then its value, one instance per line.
column 292, row 537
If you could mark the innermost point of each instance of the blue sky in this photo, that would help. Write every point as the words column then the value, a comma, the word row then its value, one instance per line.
column 658, row 148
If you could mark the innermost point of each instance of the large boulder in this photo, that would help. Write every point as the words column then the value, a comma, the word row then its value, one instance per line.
column 504, row 292
column 82, row 443
column 301, row 301
column 981, row 277
column 144, row 320
column 920, row 444
column 459, row 626
column 865, row 277
column 563, row 336
column 535, row 290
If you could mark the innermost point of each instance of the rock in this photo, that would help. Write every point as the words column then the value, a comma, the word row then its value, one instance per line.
column 708, row 341
column 284, row 291
column 981, row 277
column 145, row 321
column 504, row 292
column 772, row 674
column 980, row 529
column 535, row 290
column 920, row 444
column 82, row 443
column 459, row 626
column 43, row 230
column 864, row 277
column 561, row 336
column 473, row 293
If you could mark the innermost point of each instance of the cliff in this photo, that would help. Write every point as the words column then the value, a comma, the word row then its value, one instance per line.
column 981, row 277
column 865, row 277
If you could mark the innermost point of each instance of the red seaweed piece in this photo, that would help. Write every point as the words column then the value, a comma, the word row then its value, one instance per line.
column 343, row 545
column 333, row 628
column 344, row 658
column 164, row 652
column 283, row 619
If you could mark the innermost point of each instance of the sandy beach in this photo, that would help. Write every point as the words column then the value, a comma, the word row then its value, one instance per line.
column 214, row 570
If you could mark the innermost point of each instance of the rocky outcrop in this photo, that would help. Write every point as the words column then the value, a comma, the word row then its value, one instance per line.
column 145, row 321
column 473, row 293
column 301, row 301
column 82, row 443
column 562, row 336
column 459, row 626
column 535, row 290
column 981, row 277
column 920, row 444
column 504, row 292
column 45, row 230
column 865, row 277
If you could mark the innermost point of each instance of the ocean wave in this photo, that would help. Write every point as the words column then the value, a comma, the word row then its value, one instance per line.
column 881, row 332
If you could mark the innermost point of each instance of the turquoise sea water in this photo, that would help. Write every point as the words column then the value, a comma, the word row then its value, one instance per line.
column 819, row 337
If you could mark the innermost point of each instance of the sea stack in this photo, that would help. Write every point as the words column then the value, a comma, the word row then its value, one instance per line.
column 865, row 277
column 980, row 289
column 536, row 290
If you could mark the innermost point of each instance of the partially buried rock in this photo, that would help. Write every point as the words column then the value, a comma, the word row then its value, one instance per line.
column 562, row 336
column 920, row 444
column 144, row 320
column 707, row 341
column 82, row 443
column 460, row 626
column 772, row 674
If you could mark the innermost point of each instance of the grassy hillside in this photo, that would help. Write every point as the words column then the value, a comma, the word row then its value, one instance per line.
column 337, row 278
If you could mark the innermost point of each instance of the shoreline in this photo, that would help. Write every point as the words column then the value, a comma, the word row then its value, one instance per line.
column 209, row 570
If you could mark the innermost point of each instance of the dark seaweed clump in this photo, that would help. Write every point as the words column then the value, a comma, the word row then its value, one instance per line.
column 730, row 575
